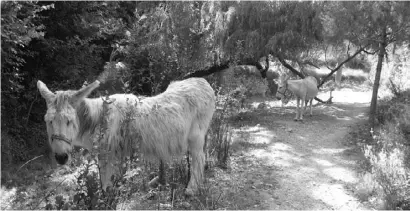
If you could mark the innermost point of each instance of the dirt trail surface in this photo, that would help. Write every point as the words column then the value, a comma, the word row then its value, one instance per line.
column 282, row 164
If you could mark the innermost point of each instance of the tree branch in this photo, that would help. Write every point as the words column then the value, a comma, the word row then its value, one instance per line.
column 311, row 64
column 206, row 72
column 217, row 68
column 371, row 53
column 287, row 65
column 284, row 63
column 340, row 65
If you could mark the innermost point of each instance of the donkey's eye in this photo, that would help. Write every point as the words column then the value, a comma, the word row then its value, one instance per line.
column 68, row 123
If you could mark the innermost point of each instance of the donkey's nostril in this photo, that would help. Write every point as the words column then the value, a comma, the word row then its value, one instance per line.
column 278, row 98
column 61, row 158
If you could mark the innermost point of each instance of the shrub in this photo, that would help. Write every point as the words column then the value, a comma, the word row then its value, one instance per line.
column 388, row 159
column 397, row 112
column 389, row 156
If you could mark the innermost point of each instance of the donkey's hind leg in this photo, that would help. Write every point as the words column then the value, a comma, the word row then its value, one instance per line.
column 297, row 109
column 302, row 110
column 311, row 114
column 196, row 143
column 305, row 106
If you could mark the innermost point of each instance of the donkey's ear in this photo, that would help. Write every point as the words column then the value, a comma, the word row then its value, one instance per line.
column 84, row 92
column 44, row 91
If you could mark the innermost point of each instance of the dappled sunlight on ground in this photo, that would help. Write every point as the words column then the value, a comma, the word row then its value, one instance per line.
column 313, row 166
column 281, row 157
column 335, row 196
column 345, row 118
column 349, row 96
column 327, row 151
column 322, row 162
column 280, row 146
column 339, row 173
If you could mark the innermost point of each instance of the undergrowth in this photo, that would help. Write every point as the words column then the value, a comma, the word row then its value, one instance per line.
column 388, row 156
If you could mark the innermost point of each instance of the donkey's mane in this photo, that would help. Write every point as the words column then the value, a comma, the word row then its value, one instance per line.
column 88, row 113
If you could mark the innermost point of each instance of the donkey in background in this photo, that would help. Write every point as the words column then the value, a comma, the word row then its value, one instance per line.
column 304, row 89
column 172, row 123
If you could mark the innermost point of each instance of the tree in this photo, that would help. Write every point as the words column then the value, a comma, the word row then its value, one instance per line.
column 392, row 25
column 374, row 25
column 371, row 26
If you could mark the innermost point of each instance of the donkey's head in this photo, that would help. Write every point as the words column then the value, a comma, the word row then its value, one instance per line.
column 63, row 124
column 283, row 93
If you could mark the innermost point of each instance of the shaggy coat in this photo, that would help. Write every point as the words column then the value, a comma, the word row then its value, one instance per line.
column 305, row 90
column 161, row 126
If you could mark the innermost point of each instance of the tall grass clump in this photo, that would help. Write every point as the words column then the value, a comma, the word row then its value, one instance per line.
column 219, row 135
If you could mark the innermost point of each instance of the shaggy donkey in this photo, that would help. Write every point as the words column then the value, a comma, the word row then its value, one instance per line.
column 169, row 124
column 304, row 89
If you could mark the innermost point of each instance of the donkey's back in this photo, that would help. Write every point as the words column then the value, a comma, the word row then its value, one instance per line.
column 310, row 84
column 193, row 99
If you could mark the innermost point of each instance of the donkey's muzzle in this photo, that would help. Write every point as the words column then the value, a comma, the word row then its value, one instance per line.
column 278, row 98
column 61, row 158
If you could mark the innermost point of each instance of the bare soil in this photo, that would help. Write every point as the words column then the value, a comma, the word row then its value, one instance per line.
column 279, row 163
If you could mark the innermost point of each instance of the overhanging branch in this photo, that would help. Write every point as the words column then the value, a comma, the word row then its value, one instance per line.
column 340, row 65
column 223, row 66
column 287, row 65
column 206, row 72
column 371, row 53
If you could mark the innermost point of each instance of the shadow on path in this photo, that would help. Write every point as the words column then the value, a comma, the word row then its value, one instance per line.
column 278, row 163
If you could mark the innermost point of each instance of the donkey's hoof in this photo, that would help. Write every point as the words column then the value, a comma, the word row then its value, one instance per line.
column 295, row 119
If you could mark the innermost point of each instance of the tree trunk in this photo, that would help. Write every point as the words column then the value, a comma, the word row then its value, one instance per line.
column 373, row 105
column 162, row 179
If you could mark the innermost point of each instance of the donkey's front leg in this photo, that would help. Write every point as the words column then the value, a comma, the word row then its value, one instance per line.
column 297, row 109
column 196, row 150
column 302, row 111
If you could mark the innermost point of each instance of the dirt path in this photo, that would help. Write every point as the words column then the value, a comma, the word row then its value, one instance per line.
column 282, row 164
